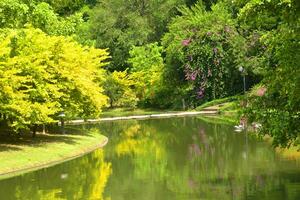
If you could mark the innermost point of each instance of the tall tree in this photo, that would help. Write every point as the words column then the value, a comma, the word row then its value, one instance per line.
column 121, row 24
column 275, row 104
column 41, row 76
column 203, row 48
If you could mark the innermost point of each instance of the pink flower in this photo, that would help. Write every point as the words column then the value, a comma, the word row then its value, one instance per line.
column 186, row 42
column 261, row 91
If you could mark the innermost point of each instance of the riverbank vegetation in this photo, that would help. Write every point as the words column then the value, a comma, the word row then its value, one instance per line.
column 23, row 153
column 77, row 58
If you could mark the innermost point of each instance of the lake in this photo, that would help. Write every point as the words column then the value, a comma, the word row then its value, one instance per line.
column 184, row 158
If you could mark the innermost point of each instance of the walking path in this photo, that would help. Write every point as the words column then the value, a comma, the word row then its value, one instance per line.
column 163, row 115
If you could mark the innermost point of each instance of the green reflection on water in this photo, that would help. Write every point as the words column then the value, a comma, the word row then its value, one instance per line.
column 175, row 158
column 83, row 178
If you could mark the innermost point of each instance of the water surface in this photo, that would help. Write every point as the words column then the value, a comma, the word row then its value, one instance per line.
column 165, row 159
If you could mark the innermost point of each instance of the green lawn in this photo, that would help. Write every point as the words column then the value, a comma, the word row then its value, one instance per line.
column 27, row 153
column 218, row 102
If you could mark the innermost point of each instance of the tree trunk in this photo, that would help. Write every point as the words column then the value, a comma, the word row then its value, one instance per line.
column 34, row 128
column 111, row 103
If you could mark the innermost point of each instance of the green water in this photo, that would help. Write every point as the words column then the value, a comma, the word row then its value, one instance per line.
column 165, row 159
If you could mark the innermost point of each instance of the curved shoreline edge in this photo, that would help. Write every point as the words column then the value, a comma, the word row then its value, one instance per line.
column 150, row 116
column 52, row 163
column 15, row 172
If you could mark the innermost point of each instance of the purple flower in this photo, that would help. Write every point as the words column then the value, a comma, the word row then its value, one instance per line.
column 208, row 33
column 200, row 93
column 190, row 74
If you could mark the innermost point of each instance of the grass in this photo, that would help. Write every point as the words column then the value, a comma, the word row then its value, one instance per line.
column 228, row 109
column 20, row 154
column 217, row 102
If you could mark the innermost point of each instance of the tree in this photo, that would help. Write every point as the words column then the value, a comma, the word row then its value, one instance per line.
column 119, row 25
column 13, row 13
column 119, row 88
column 275, row 103
column 41, row 76
column 146, row 67
column 203, row 48
column 18, row 13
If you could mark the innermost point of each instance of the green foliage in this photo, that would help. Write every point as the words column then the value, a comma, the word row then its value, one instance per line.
column 13, row 13
column 146, row 69
column 118, row 87
column 119, row 25
column 16, row 14
column 41, row 75
column 228, row 100
column 202, row 50
column 206, row 46
column 66, row 7
column 275, row 104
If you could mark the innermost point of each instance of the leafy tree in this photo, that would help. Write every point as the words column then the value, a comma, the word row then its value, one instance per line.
column 13, row 13
column 204, row 46
column 119, row 88
column 146, row 69
column 16, row 14
column 66, row 7
column 119, row 25
column 275, row 103
column 41, row 76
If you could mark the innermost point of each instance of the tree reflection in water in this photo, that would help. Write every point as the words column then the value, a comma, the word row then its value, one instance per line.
column 82, row 178
column 187, row 158
column 176, row 158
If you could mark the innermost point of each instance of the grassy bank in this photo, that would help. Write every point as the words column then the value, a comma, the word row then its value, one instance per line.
column 25, row 153
column 217, row 102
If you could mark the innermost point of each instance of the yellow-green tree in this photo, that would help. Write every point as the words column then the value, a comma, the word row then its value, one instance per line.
column 147, row 68
column 119, row 88
column 41, row 76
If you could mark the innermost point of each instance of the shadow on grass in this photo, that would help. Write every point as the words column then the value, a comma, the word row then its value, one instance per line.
column 15, row 142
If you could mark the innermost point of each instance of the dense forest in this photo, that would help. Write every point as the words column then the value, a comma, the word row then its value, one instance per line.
column 80, row 56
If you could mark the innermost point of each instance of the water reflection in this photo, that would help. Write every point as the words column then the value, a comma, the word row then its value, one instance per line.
column 189, row 159
column 178, row 158
column 83, row 178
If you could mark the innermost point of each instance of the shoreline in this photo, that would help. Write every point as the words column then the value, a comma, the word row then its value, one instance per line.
column 74, row 153
column 78, row 152
column 149, row 116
